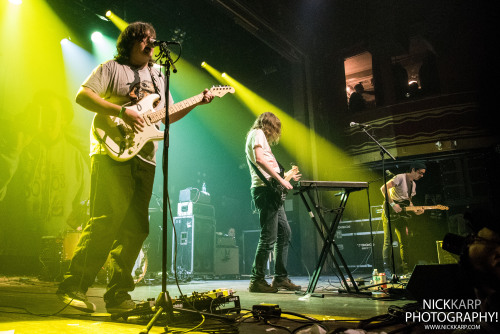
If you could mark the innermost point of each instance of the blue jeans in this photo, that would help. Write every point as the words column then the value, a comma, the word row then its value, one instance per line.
column 275, row 234
column 119, row 199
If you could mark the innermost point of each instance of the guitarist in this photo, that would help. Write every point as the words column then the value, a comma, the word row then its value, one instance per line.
column 120, row 191
column 275, row 231
column 400, row 188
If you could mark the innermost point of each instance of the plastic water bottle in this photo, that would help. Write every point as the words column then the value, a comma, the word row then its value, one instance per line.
column 375, row 276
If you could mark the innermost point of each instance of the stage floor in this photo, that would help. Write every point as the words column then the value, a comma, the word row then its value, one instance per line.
column 28, row 305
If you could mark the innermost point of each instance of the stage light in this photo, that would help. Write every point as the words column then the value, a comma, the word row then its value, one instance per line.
column 203, row 64
column 102, row 17
column 65, row 41
column 16, row 2
column 119, row 23
column 223, row 75
column 103, row 47
column 96, row 36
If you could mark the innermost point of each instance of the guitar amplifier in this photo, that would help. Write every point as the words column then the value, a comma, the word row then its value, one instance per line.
column 195, row 244
column 194, row 195
column 227, row 261
column 191, row 209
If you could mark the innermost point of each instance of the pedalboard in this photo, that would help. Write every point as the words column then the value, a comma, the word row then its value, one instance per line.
column 220, row 301
column 266, row 311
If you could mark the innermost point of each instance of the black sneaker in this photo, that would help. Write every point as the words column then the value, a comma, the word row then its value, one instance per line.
column 285, row 284
column 76, row 299
column 260, row 285
column 125, row 306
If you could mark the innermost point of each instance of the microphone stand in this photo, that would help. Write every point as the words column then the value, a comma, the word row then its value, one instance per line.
column 383, row 152
column 164, row 302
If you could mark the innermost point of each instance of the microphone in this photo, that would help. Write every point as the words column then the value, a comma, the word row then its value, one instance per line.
column 361, row 125
column 389, row 173
column 156, row 42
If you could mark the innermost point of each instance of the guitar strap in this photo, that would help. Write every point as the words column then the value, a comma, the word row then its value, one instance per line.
column 261, row 176
column 409, row 185
column 157, row 90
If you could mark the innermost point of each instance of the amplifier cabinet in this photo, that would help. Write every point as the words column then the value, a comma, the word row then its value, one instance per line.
column 227, row 260
column 195, row 209
column 195, row 244
column 354, row 239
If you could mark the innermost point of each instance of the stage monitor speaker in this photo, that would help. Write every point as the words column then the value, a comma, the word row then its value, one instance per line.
column 445, row 257
column 195, row 244
column 438, row 281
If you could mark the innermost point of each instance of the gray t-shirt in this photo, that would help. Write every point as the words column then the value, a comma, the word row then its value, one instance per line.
column 126, row 85
column 400, row 190
column 255, row 138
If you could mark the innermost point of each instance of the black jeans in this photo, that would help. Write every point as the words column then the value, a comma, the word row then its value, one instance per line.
column 119, row 199
column 275, row 234
column 399, row 227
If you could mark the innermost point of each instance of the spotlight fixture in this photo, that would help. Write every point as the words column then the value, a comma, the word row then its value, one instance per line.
column 203, row 64
column 102, row 17
column 96, row 36
column 16, row 2
column 179, row 35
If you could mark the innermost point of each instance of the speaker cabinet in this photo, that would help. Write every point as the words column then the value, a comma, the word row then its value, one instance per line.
column 227, row 261
column 445, row 257
column 439, row 281
column 195, row 244
column 354, row 239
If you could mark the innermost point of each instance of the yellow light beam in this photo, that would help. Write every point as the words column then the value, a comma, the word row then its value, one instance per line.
column 296, row 137
column 119, row 23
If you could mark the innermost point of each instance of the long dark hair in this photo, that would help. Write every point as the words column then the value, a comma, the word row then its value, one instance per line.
column 136, row 31
column 271, row 125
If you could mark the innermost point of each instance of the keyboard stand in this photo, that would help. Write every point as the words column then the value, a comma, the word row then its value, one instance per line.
column 327, row 234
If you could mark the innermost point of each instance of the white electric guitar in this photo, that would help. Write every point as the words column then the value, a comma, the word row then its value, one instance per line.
column 119, row 139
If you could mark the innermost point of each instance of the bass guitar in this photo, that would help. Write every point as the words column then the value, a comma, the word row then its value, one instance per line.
column 287, row 176
column 119, row 139
column 405, row 213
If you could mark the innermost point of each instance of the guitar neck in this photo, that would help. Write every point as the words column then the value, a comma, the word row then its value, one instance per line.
column 291, row 173
column 415, row 208
column 187, row 103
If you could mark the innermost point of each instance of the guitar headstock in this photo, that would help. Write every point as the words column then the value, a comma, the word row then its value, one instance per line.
column 442, row 207
column 220, row 91
column 291, row 173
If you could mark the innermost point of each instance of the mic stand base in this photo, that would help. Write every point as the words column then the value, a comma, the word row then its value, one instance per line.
column 395, row 279
column 163, row 305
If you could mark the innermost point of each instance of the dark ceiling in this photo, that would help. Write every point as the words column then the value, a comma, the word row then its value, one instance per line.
column 210, row 34
column 259, row 41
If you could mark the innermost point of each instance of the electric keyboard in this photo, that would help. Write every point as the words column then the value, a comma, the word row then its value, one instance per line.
column 332, row 185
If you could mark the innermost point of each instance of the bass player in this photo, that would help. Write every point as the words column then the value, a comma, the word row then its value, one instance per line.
column 268, row 190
